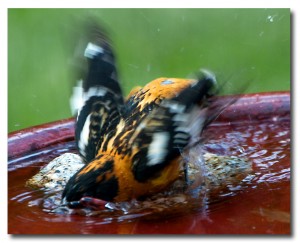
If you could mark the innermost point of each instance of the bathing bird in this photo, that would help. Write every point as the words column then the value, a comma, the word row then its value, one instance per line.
column 132, row 146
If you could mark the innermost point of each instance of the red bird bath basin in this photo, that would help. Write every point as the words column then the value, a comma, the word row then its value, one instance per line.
column 257, row 127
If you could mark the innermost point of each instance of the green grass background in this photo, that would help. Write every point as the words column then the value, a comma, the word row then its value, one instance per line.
column 240, row 45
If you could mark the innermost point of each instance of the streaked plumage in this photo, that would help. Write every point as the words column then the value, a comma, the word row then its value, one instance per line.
column 132, row 148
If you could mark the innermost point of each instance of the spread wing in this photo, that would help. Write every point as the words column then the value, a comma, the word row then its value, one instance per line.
column 99, row 101
column 169, row 128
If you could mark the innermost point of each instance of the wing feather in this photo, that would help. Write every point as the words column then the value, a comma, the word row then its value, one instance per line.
column 168, row 129
column 100, row 104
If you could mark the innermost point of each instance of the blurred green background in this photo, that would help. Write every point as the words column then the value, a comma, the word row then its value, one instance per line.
column 240, row 45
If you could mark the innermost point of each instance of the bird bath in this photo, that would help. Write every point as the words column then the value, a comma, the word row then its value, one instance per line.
column 256, row 126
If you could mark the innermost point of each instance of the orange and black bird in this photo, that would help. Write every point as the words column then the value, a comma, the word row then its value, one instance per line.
column 133, row 147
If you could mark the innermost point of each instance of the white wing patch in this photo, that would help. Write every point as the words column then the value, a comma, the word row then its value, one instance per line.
column 79, row 97
column 174, row 107
column 94, row 91
column 158, row 148
column 84, row 136
column 181, row 138
column 76, row 99
column 92, row 50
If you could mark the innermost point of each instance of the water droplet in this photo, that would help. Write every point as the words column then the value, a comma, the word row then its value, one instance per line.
column 166, row 82
column 270, row 18
column 148, row 67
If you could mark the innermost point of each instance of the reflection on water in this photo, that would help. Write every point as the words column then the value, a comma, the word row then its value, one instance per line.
column 262, row 196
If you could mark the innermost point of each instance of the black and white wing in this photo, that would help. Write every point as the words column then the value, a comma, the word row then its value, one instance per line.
column 169, row 128
column 99, row 100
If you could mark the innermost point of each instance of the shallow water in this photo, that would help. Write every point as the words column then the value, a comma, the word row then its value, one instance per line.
column 260, row 204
